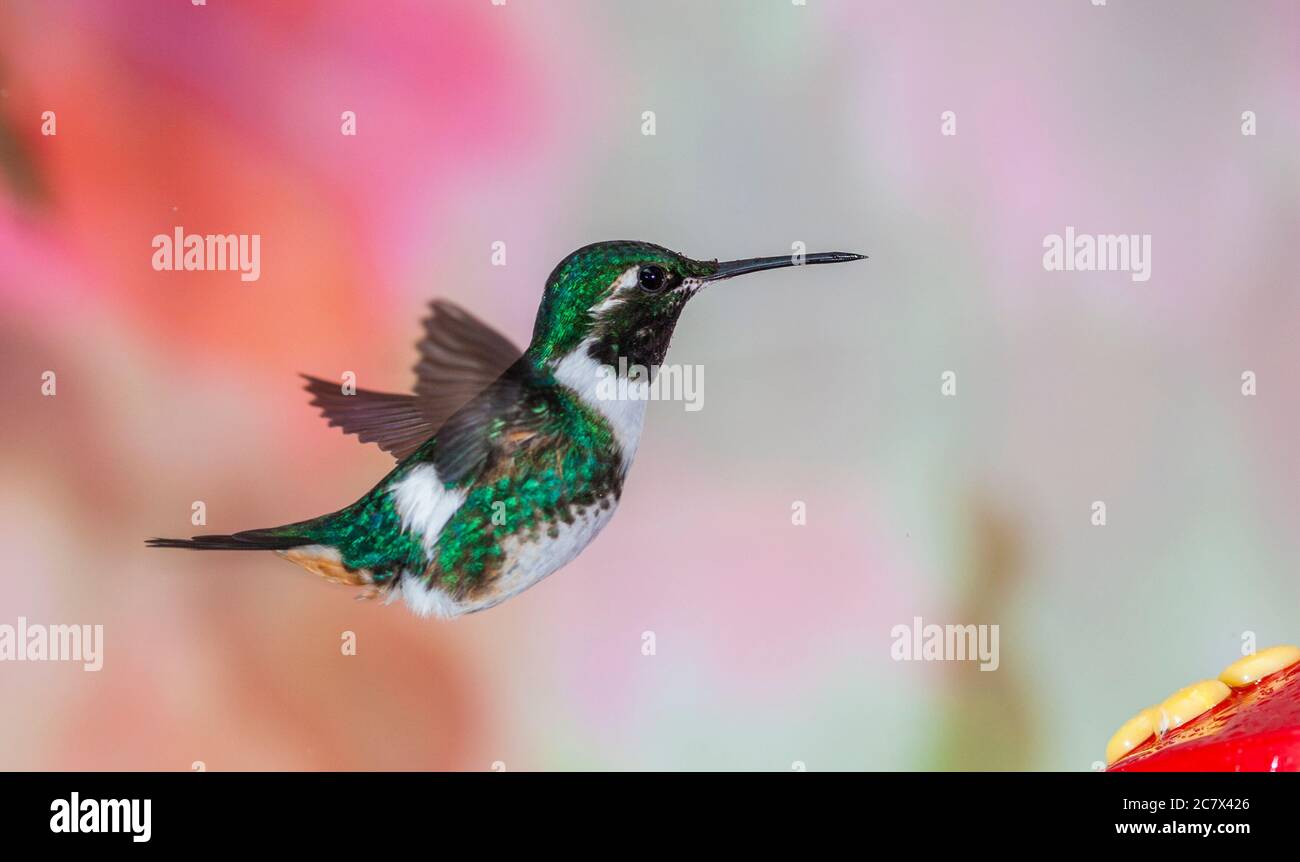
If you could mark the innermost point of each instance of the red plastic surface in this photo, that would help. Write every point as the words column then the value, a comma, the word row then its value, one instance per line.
column 1257, row 729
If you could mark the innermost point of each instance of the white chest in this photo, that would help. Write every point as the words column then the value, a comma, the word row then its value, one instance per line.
column 590, row 381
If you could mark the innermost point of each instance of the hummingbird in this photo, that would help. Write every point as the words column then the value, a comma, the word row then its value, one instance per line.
column 509, row 462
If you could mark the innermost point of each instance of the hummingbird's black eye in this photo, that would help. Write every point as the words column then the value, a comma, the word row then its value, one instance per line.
column 653, row 278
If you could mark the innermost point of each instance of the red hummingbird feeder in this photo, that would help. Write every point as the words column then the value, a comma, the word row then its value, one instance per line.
column 1247, row 720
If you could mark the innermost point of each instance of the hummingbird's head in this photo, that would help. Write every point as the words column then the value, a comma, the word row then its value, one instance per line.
column 622, row 299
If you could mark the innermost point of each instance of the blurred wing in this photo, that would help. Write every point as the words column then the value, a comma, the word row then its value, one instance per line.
column 514, row 412
column 393, row 422
column 460, row 357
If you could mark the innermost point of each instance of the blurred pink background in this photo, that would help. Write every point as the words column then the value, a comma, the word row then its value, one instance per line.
column 775, row 123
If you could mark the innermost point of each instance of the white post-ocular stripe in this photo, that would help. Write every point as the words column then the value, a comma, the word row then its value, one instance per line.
column 625, row 281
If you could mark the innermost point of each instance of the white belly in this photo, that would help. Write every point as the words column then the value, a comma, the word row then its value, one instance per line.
column 525, row 563
column 529, row 562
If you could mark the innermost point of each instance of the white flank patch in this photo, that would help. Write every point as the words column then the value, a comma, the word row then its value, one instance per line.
column 580, row 373
column 425, row 599
column 423, row 504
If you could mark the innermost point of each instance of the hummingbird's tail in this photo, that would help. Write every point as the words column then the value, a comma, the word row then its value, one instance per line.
column 294, row 542
column 275, row 539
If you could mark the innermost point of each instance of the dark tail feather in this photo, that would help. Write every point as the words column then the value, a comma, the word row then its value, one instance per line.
column 248, row 540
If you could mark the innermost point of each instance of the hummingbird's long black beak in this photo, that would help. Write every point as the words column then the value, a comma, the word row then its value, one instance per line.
column 729, row 268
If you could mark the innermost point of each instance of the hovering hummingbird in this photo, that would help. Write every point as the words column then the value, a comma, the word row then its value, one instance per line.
column 508, row 462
